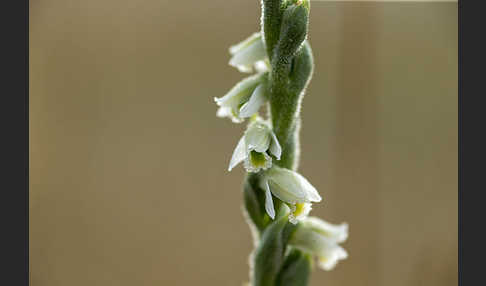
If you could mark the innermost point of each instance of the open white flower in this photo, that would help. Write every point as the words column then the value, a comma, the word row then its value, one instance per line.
column 249, row 54
column 244, row 99
column 255, row 147
column 291, row 188
column 321, row 239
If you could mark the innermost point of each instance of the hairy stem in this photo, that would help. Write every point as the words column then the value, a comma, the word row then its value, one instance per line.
column 284, row 27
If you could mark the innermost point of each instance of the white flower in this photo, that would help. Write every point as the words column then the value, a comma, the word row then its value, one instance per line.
column 255, row 148
column 321, row 239
column 244, row 99
column 291, row 188
column 249, row 54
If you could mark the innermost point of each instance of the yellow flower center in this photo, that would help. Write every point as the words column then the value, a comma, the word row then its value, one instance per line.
column 299, row 209
column 257, row 159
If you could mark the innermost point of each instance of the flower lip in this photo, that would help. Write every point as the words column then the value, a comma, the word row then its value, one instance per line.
column 257, row 158
column 299, row 212
column 330, row 261
column 256, row 161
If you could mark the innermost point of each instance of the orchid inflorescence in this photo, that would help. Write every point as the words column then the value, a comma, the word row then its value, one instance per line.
column 277, row 198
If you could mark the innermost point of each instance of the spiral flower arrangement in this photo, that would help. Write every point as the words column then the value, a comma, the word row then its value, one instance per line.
column 277, row 199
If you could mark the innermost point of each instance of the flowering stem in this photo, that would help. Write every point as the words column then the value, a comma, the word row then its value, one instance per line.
column 285, row 30
column 277, row 199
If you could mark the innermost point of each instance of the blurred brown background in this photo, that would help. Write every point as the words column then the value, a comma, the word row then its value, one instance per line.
column 128, row 160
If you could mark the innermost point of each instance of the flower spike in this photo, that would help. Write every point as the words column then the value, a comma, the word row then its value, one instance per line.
column 277, row 199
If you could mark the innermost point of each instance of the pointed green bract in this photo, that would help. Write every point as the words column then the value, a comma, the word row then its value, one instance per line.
column 272, row 11
column 293, row 31
column 295, row 270
column 270, row 252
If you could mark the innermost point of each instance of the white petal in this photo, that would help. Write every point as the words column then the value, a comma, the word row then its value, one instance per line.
column 257, row 137
column 225, row 111
column 235, row 119
column 261, row 66
column 257, row 99
column 238, row 47
column 268, row 199
column 249, row 55
column 238, row 155
column 335, row 232
column 285, row 186
column 240, row 92
column 312, row 193
column 244, row 68
column 332, row 257
column 275, row 148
